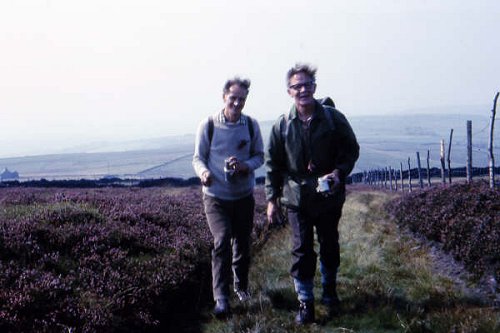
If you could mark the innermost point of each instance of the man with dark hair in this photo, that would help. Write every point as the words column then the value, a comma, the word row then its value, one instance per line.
column 311, row 151
column 228, row 149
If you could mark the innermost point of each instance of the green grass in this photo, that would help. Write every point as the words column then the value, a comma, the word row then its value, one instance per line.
column 386, row 283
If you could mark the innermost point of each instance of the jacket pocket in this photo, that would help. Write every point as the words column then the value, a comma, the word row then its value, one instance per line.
column 291, row 194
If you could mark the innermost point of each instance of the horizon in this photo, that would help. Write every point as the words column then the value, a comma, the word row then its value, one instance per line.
column 90, row 146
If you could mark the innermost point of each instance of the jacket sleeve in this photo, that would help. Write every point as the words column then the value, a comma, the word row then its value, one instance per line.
column 201, row 149
column 349, row 153
column 256, row 158
column 275, row 162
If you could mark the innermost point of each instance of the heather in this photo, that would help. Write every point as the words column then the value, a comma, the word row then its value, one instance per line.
column 105, row 260
column 464, row 218
column 138, row 260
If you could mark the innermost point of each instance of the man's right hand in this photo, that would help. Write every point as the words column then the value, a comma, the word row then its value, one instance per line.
column 273, row 213
column 206, row 178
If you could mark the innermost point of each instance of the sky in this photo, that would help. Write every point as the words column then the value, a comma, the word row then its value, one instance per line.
column 75, row 72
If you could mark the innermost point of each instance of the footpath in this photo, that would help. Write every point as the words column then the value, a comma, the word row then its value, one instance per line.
column 388, row 282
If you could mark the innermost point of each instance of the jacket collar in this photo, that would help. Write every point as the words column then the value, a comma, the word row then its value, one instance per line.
column 317, row 114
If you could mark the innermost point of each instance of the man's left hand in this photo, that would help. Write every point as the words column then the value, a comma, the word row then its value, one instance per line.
column 239, row 166
column 334, row 179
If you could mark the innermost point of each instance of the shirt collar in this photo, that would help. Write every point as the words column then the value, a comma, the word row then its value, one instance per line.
column 316, row 114
column 221, row 118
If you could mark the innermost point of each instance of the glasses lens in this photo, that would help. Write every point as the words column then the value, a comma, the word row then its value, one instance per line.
column 299, row 86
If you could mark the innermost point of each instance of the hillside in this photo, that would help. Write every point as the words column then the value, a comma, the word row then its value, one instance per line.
column 137, row 260
column 384, row 140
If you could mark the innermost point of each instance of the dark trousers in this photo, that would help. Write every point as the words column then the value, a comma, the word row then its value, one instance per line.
column 324, row 214
column 230, row 223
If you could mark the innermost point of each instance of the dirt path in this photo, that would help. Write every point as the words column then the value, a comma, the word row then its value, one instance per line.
column 388, row 282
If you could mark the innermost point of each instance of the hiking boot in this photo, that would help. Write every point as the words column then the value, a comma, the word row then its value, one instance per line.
column 331, row 301
column 242, row 295
column 222, row 309
column 305, row 314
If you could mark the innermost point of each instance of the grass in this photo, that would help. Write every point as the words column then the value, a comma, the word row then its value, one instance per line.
column 386, row 282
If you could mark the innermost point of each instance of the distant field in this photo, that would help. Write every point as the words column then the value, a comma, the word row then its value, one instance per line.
column 384, row 140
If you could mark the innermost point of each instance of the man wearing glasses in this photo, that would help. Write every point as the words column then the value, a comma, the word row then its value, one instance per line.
column 311, row 151
column 228, row 149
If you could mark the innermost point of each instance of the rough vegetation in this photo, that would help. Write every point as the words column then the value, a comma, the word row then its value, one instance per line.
column 101, row 260
column 464, row 218
column 387, row 282
column 138, row 260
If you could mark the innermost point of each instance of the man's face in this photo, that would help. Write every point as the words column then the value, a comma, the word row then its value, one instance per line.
column 234, row 101
column 301, row 88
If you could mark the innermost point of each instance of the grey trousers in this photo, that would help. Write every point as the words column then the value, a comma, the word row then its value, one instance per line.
column 230, row 223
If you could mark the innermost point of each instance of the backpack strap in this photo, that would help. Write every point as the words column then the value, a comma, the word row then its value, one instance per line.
column 284, row 125
column 250, row 127
column 210, row 130
column 328, row 111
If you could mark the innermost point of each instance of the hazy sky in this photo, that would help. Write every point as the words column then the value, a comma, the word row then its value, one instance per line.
column 78, row 71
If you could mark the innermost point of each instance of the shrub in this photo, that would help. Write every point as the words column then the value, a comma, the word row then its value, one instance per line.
column 465, row 218
column 100, row 259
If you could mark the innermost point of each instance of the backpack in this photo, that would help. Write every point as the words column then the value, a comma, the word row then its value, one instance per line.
column 211, row 128
column 328, row 106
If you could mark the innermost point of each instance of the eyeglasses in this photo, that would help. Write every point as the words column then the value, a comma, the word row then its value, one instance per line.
column 298, row 87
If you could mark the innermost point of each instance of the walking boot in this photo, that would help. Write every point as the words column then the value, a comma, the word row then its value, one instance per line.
column 331, row 301
column 222, row 309
column 243, row 295
column 305, row 314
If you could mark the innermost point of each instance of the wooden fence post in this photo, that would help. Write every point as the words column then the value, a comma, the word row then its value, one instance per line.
column 428, row 168
column 394, row 174
column 443, row 167
column 491, row 160
column 419, row 169
column 409, row 176
column 449, row 156
column 385, row 177
column 390, row 179
column 401, row 177
column 469, row 151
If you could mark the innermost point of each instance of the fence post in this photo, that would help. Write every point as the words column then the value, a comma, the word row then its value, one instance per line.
column 401, row 177
column 469, row 151
column 394, row 174
column 390, row 179
column 491, row 160
column 419, row 169
column 385, row 177
column 449, row 156
column 443, row 167
column 428, row 168
column 409, row 176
